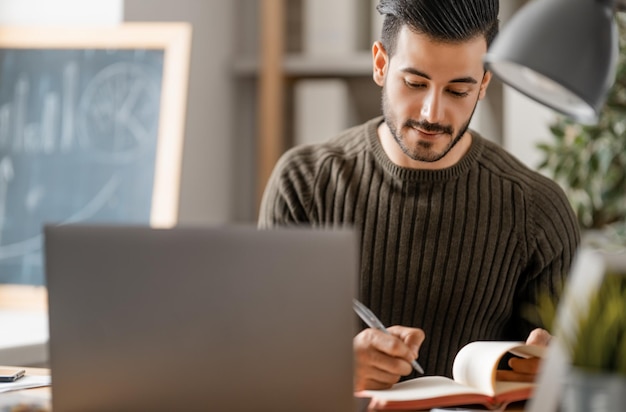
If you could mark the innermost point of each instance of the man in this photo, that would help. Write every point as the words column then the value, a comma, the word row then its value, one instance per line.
column 458, row 238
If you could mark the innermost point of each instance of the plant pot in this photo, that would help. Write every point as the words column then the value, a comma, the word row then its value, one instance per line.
column 585, row 391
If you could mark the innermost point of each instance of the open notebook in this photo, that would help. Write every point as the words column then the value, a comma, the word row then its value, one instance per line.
column 198, row 319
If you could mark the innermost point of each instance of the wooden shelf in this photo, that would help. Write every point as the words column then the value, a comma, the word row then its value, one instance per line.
column 271, row 89
column 274, row 69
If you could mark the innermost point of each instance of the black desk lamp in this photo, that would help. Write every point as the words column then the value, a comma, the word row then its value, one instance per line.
column 561, row 53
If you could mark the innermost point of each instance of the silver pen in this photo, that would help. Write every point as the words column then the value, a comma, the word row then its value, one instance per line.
column 373, row 322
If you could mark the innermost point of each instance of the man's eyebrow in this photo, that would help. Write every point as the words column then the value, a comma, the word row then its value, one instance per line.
column 416, row 72
column 467, row 79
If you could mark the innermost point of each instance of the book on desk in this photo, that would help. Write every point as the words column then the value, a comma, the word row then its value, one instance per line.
column 474, row 382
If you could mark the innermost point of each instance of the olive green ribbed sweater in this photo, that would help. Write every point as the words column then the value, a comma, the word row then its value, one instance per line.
column 458, row 252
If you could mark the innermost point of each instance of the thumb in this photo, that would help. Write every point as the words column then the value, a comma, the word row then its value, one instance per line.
column 539, row 337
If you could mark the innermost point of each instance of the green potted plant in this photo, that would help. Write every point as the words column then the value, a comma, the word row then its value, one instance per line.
column 597, row 378
column 589, row 161
column 589, row 326
column 600, row 342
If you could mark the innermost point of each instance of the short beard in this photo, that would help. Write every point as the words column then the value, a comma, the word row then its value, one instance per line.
column 425, row 155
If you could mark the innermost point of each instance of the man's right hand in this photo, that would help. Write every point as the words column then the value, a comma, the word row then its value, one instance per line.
column 381, row 359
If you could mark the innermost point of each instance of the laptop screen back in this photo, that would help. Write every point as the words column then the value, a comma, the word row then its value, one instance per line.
column 198, row 319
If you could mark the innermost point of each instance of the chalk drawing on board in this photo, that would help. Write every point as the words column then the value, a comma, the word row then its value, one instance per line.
column 115, row 111
column 91, row 130
column 32, row 246
column 79, row 146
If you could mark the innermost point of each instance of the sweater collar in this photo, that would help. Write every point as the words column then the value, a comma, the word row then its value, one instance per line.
column 404, row 173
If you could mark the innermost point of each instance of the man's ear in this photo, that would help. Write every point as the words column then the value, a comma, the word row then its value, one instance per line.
column 484, row 84
column 380, row 61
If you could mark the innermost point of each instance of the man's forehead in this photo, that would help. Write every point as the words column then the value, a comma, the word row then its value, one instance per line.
column 420, row 53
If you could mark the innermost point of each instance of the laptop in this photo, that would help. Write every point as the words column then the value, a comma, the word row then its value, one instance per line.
column 200, row 318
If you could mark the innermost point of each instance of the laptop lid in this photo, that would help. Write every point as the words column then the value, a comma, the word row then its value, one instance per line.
column 223, row 318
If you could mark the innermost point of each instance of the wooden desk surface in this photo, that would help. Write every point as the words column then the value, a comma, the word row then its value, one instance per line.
column 45, row 394
column 28, row 400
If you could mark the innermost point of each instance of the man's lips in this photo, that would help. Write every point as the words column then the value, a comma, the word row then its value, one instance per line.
column 428, row 130
column 430, row 133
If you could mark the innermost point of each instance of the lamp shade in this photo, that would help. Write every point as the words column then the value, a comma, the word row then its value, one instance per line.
column 561, row 53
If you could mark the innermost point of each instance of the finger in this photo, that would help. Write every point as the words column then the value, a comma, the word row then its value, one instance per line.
column 527, row 366
column 539, row 337
column 391, row 344
column 390, row 364
column 412, row 338
column 373, row 378
column 512, row 376
column 382, row 351
column 374, row 369
column 371, row 384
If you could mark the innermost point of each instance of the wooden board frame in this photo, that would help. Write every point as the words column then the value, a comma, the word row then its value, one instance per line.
column 175, row 40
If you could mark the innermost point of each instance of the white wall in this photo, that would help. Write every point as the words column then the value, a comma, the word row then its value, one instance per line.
column 210, row 158
column 48, row 12
column 526, row 124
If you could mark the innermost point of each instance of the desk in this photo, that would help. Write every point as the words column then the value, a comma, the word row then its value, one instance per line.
column 45, row 394
column 39, row 396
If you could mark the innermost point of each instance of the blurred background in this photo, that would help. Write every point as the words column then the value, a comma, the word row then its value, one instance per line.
column 324, row 85
column 264, row 75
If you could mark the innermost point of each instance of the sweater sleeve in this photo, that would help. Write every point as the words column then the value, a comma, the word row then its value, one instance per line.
column 284, row 199
column 553, row 239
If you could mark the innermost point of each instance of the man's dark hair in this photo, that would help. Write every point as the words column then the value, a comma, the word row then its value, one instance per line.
column 442, row 20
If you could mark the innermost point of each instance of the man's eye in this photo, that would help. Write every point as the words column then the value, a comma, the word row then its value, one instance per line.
column 412, row 85
column 458, row 94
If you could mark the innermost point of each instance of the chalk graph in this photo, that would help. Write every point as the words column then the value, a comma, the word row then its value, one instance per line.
column 78, row 134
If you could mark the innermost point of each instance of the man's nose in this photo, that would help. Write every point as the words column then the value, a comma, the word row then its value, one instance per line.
column 431, row 108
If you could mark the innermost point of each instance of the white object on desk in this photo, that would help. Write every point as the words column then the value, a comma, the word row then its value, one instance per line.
column 24, row 337
column 27, row 382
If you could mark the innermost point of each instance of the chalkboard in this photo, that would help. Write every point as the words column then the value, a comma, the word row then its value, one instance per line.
column 91, row 130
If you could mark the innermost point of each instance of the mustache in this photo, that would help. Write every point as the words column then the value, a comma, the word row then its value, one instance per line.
column 429, row 127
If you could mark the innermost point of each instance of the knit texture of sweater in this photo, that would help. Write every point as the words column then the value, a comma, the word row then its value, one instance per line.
column 463, row 253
